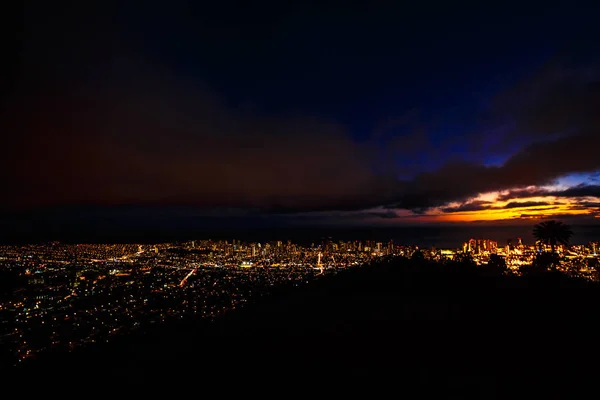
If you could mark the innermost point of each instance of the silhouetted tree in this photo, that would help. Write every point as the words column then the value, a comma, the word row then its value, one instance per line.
column 595, row 265
column 545, row 261
column 553, row 233
column 465, row 259
column 418, row 255
column 497, row 264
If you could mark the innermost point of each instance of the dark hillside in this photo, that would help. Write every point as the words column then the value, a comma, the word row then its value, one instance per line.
column 449, row 327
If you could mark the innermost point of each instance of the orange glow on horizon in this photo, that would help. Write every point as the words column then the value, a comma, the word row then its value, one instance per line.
column 496, row 211
column 486, row 207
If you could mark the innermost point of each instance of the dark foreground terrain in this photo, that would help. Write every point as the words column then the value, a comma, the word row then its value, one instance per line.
column 452, row 330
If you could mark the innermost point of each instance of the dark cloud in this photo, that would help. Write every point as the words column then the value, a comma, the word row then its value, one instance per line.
column 516, row 204
column 581, row 190
column 558, row 110
column 470, row 206
column 486, row 205
column 93, row 119
column 142, row 137
column 592, row 206
column 522, row 193
column 383, row 214
column 534, row 165
column 558, row 99
column 589, row 204
column 96, row 128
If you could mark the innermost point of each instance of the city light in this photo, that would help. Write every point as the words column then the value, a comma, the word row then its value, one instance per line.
column 67, row 296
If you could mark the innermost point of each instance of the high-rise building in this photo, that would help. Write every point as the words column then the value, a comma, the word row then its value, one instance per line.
column 472, row 247
column 478, row 246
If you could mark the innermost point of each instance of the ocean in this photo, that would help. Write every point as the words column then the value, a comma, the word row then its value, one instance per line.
column 422, row 236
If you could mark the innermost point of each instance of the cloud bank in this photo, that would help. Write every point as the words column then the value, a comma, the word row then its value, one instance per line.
column 102, row 129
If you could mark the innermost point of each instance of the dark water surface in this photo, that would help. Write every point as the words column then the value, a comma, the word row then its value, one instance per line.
column 152, row 231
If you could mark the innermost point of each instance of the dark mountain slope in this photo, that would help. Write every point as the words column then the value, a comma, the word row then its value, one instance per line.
column 451, row 328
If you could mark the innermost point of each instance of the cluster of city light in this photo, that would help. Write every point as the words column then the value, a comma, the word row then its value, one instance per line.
column 574, row 260
column 66, row 296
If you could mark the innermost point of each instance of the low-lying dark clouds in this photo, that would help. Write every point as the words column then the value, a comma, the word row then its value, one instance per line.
column 151, row 141
column 383, row 214
column 139, row 137
column 475, row 205
column 578, row 191
column 517, row 204
column 486, row 205
column 558, row 121
column 109, row 131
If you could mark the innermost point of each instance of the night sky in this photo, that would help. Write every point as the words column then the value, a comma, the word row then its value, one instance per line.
column 318, row 115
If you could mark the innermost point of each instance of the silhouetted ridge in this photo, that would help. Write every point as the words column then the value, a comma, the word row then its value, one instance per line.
column 451, row 325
